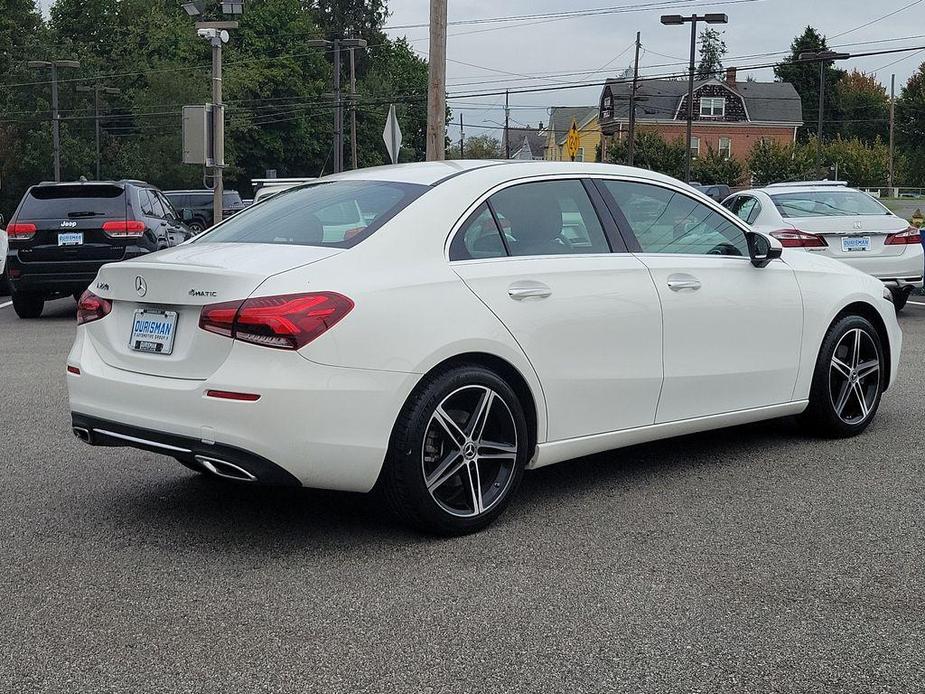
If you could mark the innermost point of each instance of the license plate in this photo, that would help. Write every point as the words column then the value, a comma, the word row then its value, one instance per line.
column 153, row 331
column 853, row 244
column 73, row 238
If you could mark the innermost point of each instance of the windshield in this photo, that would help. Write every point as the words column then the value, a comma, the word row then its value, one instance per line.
column 73, row 202
column 337, row 214
column 827, row 203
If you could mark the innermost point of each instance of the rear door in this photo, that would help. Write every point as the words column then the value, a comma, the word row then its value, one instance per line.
column 69, row 222
column 586, row 317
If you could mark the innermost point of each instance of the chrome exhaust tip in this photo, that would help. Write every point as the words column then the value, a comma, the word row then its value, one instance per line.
column 82, row 433
column 222, row 468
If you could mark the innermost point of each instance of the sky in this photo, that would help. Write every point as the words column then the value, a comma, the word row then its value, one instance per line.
column 601, row 46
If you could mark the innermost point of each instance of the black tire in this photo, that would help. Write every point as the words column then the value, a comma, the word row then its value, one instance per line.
column 900, row 297
column 835, row 399
column 28, row 304
column 418, row 443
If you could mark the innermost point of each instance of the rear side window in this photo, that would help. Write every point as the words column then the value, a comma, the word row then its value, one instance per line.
column 73, row 202
column 827, row 203
column 478, row 238
column 549, row 218
column 231, row 199
column 337, row 214
column 664, row 221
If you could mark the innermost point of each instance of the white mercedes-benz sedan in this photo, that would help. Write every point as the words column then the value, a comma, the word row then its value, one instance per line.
column 830, row 219
column 432, row 330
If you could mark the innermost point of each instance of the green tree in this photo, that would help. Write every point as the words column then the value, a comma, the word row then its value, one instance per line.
column 910, row 127
column 714, row 169
column 864, row 107
column 485, row 146
column 770, row 162
column 653, row 152
column 712, row 52
column 804, row 76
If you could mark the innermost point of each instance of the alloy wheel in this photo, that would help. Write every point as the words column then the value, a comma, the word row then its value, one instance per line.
column 469, row 455
column 854, row 376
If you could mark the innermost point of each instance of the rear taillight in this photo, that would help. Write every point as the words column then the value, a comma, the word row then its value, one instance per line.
column 21, row 230
column 92, row 307
column 124, row 229
column 793, row 238
column 289, row 321
column 910, row 235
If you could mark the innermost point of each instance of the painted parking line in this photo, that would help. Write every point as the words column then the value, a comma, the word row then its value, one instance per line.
column 8, row 303
column 916, row 303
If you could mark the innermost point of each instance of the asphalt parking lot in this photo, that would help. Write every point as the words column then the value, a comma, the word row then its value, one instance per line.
column 750, row 560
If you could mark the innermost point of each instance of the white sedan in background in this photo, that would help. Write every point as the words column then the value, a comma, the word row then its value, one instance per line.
column 827, row 218
column 485, row 318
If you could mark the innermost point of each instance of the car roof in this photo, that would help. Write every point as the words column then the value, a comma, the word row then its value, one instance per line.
column 432, row 173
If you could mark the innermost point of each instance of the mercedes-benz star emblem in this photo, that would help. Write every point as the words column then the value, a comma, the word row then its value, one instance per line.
column 141, row 286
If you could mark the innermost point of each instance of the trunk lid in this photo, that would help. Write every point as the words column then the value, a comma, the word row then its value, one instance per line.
column 836, row 228
column 182, row 280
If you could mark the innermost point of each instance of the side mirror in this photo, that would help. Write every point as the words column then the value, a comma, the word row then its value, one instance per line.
column 760, row 249
column 187, row 215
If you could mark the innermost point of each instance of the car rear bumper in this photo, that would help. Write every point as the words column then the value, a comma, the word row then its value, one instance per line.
column 327, row 427
column 905, row 269
column 57, row 277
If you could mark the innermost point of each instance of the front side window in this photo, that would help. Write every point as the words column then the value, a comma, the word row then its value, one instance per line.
column 478, row 238
column 664, row 221
column 828, row 203
column 337, row 214
column 712, row 107
column 725, row 147
column 549, row 218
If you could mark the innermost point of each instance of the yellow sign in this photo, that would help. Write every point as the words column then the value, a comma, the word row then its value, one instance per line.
column 573, row 141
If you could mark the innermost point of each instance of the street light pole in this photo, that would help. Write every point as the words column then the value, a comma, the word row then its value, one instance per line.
column 677, row 20
column 55, row 116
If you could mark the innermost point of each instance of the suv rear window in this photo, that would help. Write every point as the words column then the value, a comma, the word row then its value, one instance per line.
column 827, row 203
column 337, row 214
column 73, row 202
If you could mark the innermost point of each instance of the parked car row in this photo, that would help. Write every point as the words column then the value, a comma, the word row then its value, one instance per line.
column 197, row 208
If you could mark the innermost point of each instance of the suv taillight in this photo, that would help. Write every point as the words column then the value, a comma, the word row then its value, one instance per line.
column 289, row 321
column 793, row 238
column 911, row 235
column 21, row 230
column 124, row 228
column 92, row 307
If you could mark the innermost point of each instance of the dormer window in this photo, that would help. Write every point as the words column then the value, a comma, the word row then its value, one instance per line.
column 713, row 107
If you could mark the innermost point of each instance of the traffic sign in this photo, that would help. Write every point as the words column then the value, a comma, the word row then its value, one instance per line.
column 572, row 141
column 392, row 135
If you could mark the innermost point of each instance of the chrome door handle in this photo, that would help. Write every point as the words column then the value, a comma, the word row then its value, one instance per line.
column 531, row 290
column 680, row 283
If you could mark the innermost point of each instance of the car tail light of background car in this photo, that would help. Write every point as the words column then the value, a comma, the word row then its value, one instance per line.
column 92, row 307
column 794, row 238
column 20, row 230
column 125, row 228
column 289, row 321
column 911, row 235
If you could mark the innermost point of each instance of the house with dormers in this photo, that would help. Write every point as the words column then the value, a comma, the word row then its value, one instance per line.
column 729, row 116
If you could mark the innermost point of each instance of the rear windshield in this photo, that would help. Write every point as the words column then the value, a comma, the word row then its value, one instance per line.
column 337, row 214
column 827, row 203
column 73, row 202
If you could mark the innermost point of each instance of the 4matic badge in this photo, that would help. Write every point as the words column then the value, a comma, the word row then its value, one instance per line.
column 201, row 292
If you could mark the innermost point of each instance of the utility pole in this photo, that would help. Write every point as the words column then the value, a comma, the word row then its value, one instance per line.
column 97, row 89
column 822, row 57
column 55, row 116
column 892, row 120
column 353, row 109
column 631, row 145
column 218, row 129
column 338, row 113
column 436, row 82
column 507, row 122
column 462, row 138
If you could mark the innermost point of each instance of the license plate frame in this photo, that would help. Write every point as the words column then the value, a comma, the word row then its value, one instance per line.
column 71, row 238
column 151, row 337
column 855, row 244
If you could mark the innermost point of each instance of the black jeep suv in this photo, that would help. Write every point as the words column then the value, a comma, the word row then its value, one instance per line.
column 62, row 233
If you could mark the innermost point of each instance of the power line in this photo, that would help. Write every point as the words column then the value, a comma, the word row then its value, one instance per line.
column 878, row 19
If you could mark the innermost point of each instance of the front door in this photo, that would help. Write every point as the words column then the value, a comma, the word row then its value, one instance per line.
column 732, row 332
column 587, row 318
